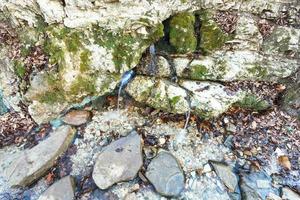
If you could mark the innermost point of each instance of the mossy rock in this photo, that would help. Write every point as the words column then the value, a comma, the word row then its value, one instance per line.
column 182, row 33
column 291, row 101
column 212, row 36
column 252, row 102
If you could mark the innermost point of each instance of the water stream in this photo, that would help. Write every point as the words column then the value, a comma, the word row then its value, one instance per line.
column 153, row 59
column 126, row 77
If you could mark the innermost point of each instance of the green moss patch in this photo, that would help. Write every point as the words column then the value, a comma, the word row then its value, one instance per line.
column 252, row 102
column 200, row 72
column 55, row 94
column 85, row 61
column 126, row 48
column 20, row 69
column 182, row 33
column 212, row 36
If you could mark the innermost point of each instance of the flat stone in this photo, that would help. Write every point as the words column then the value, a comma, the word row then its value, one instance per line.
column 226, row 174
column 287, row 193
column 31, row 164
column 60, row 190
column 166, row 175
column 77, row 117
column 119, row 161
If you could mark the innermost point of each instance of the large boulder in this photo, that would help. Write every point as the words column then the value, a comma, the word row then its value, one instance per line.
column 31, row 164
column 119, row 161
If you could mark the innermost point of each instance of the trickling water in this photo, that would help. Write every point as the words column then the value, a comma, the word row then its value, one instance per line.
column 152, row 66
column 188, row 115
column 127, row 76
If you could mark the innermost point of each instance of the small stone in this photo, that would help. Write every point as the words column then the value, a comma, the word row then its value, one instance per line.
column 288, row 194
column 226, row 175
column 263, row 184
column 231, row 128
column 77, row 117
column 285, row 162
column 61, row 190
column 119, row 161
column 166, row 175
column 206, row 168
column 161, row 141
column 33, row 163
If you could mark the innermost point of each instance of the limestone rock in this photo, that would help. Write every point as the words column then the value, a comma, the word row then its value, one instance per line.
column 43, row 112
column 226, row 174
column 159, row 93
column 236, row 65
column 166, row 175
column 210, row 99
column 283, row 40
column 119, row 161
column 60, row 190
column 77, row 117
column 31, row 164
column 291, row 100
column 9, row 83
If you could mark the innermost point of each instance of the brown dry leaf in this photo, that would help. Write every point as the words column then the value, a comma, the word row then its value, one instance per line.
column 50, row 178
column 284, row 161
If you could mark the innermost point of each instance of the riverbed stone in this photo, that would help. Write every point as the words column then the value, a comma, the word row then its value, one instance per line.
column 31, row 164
column 226, row 174
column 166, row 175
column 64, row 189
column 77, row 117
column 119, row 161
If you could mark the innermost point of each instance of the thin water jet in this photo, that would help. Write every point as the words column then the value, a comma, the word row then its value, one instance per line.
column 126, row 77
column 188, row 115
column 153, row 59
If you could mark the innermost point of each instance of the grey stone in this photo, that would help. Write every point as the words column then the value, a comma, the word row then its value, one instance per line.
column 166, row 175
column 288, row 194
column 226, row 174
column 60, row 190
column 119, row 161
column 31, row 164
column 250, row 188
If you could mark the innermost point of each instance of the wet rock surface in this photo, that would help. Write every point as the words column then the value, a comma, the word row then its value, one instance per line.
column 60, row 190
column 166, row 175
column 119, row 161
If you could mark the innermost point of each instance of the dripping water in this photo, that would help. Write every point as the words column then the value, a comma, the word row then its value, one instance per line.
column 126, row 77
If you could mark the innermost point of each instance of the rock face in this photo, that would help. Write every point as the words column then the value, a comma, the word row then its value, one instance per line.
column 91, row 43
column 226, row 175
column 119, row 161
column 33, row 163
column 60, row 190
column 77, row 117
column 205, row 99
column 165, row 174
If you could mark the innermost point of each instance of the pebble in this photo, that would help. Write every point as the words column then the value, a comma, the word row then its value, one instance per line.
column 166, row 175
column 77, row 117
column 119, row 161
